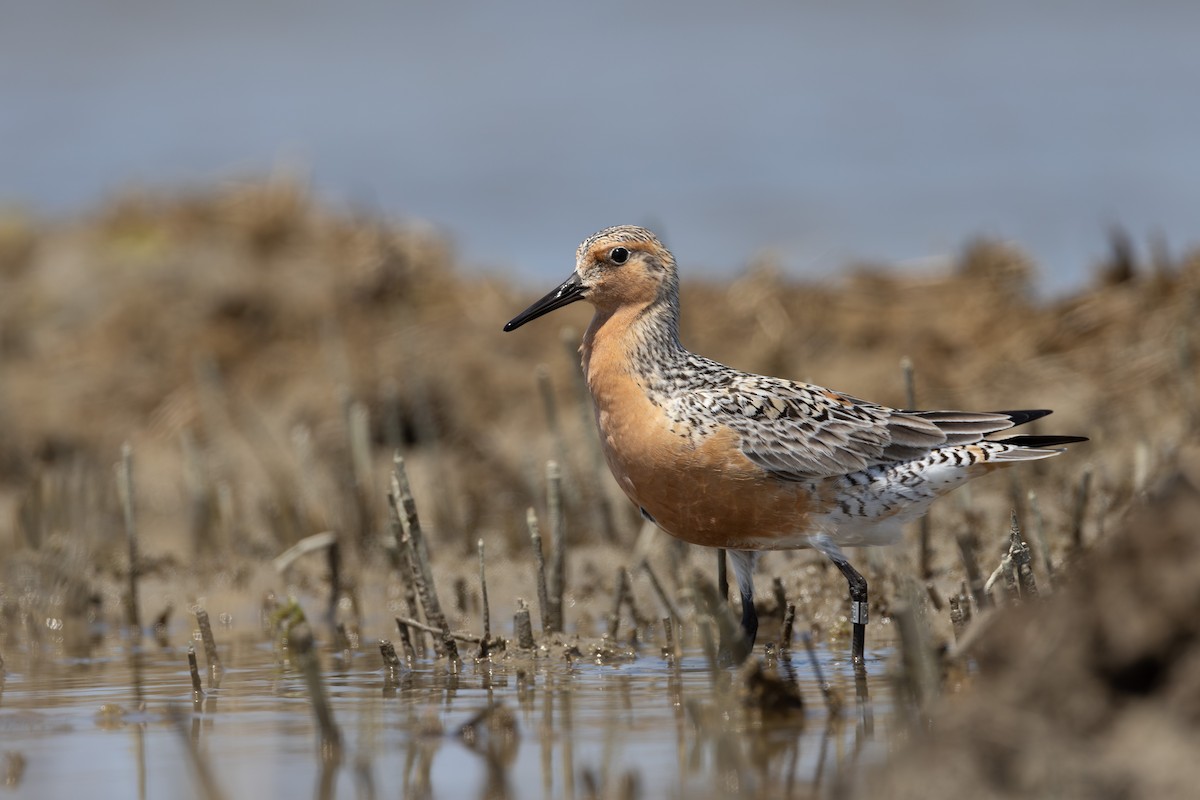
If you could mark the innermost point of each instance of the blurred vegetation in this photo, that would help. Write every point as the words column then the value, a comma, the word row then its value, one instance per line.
column 237, row 337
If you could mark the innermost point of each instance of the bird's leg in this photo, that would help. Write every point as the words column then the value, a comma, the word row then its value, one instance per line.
column 743, row 569
column 858, row 606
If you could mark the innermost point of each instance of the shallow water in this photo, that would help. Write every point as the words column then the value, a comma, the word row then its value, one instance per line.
column 123, row 723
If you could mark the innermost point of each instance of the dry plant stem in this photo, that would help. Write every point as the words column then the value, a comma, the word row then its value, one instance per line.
column 125, row 488
column 333, row 560
column 780, row 597
column 391, row 664
column 406, row 641
column 309, row 544
column 1022, row 560
column 487, row 611
column 523, row 626
column 1010, row 580
column 966, row 549
column 197, row 689
column 658, row 590
column 405, row 622
column 215, row 669
column 539, row 560
column 1081, row 501
column 402, row 563
column 668, row 639
column 414, row 539
column 1003, row 570
column 558, row 541
column 388, row 651
column 300, row 639
column 964, row 604
column 614, row 617
column 789, row 621
column 956, row 617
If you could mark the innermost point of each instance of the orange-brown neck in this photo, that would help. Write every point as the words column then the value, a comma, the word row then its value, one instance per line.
column 629, row 340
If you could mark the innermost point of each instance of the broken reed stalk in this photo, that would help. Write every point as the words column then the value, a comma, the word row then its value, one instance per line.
column 964, row 603
column 957, row 620
column 558, row 541
column 523, row 626
column 789, row 621
column 414, row 540
column 668, row 650
column 300, row 639
column 658, row 590
column 125, row 489
column 333, row 560
column 215, row 670
column 1022, row 560
column 391, row 663
column 405, row 622
column 487, row 611
column 197, row 689
column 1081, row 501
column 539, row 560
column 401, row 555
column 780, row 597
column 614, row 617
column 406, row 641
column 388, row 651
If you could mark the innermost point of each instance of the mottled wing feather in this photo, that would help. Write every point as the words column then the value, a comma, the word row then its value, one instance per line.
column 799, row 431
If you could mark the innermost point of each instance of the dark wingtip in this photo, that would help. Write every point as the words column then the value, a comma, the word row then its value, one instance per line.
column 1041, row 441
column 1021, row 416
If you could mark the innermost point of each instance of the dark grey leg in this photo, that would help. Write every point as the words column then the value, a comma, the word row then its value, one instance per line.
column 858, row 606
column 743, row 562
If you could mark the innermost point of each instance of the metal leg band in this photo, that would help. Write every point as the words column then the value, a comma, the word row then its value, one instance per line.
column 858, row 612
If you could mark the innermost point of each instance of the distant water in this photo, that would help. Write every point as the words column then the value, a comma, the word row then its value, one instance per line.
column 824, row 132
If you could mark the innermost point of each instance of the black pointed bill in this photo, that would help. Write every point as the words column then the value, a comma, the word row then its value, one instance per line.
column 567, row 292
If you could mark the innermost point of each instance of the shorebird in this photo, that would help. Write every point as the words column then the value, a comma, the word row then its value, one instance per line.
column 723, row 458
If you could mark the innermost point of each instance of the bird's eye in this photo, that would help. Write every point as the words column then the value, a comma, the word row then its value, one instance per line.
column 619, row 255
